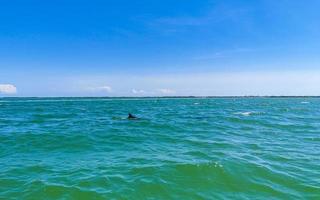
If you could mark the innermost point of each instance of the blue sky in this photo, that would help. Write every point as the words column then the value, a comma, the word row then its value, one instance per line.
column 159, row 48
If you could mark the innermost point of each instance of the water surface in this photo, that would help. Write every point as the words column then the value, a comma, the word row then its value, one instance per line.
column 186, row 148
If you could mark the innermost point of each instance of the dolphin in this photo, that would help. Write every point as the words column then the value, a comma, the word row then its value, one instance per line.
column 131, row 116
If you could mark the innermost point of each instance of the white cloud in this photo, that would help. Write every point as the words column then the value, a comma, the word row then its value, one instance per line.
column 104, row 88
column 166, row 91
column 8, row 89
column 134, row 91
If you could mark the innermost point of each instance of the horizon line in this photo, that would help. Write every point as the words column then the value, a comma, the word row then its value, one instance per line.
column 183, row 96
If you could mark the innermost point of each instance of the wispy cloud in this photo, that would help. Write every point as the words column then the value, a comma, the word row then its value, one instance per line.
column 135, row 91
column 183, row 21
column 166, row 91
column 104, row 88
column 209, row 56
column 223, row 54
column 218, row 13
column 8, row 89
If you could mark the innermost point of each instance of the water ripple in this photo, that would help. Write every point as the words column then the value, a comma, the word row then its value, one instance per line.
column 188, row 148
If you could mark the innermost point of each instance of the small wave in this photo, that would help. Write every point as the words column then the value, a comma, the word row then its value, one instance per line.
column 248, row 113
column 244, row 113
column 196, row 103
column 217, row 164
column 305, row 102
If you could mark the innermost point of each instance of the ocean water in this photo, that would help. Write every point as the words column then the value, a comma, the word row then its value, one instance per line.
column 184, row 148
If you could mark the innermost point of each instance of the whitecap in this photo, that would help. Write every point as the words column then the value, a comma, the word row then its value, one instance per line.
column 305, row 102
column 243, row 113
column 217, row 164
column 196, row 103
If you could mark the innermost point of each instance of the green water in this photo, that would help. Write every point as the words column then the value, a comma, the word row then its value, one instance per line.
column 196, row 148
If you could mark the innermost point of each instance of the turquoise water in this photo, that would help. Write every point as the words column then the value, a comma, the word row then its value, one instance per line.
column 188, row 148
